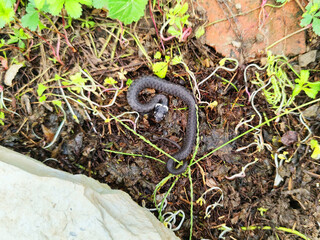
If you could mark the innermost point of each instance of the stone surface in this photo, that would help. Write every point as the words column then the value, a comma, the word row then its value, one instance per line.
column 38, row 202
column 254, row 27
column 307, row 58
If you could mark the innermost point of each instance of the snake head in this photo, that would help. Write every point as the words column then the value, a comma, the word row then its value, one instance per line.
column 160, row 111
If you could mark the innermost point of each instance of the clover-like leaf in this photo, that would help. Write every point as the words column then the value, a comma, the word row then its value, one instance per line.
column 55, row 7
column 109, row 81
column 39, row 4
column 316, row 149
column 99, row 3
column 310, row 92
column 41, row 89
column 73, row 8
column 316, row 26
column 160, row 69
column 306, row 19
column 126, row 11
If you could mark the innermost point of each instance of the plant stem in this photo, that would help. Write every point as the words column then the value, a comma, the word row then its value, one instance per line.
column 290, row 35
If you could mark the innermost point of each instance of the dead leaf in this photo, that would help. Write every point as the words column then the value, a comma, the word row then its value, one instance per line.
column 11, row 73
column 48, row 134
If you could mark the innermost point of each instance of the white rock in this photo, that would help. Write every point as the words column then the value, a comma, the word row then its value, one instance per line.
column 38, row 202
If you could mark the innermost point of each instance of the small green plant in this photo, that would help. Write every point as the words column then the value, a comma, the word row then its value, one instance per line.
column 303, row 84
column 311, row 16
column 178, row 22
column 276, row 89
column 315, row 146
column 18, row 37
column 160, row 68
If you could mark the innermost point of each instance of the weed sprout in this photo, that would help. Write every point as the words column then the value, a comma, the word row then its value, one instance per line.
column 170, row 220
column 242, row 174
column 211, row 207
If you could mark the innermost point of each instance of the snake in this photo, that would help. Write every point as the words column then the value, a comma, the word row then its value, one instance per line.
column 159, row 104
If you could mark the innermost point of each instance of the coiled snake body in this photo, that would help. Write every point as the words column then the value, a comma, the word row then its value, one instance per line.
column 159, row 103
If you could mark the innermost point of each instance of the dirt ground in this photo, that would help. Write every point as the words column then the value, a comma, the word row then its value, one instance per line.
column 80, row 148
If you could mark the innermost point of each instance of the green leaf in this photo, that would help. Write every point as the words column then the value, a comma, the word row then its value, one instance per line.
column 177, row 9
column 6, row 13
column 2, row 115
column 86, row 2
column 129, row 81
column 308, row 7
column 297, row 89
column 304, row 76
column 99, row 3
column 184, row 19
column 31, row 19
column 160, row 69
column 176, row 60
column 126, row 11
column 199, row 32
column 39, row 4
column 55, row 7
column 316, row 26
column 109, row 81
column 21, row 44
column 316, row 149
column 312, row 93
column 157, row 55
column 173, row 31
column 314, row 85
column 78, row 81
column 57, row 102
column 41, row 89
column 43, row 98
column 73, row 8
column 314, row 8
column 306, row 19
column 184, row 9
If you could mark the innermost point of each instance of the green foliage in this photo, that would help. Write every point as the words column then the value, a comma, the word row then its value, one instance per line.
column 311, row 16
column 200, row 32
column 18, row 37
column 109, row 81
column 316, row 149
column 77, row 82
column 160, row 68
column 178, row 19
column 2, row 117
column 310, row 88
column 276, row 91
column 124, row 10
column 6, row 12
column 128, row 82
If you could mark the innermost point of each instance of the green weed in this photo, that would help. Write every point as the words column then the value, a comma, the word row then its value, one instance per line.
column 311, row 16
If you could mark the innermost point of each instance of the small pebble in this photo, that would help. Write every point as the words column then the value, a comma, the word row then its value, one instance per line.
column 289, row 138
column 307, row 58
